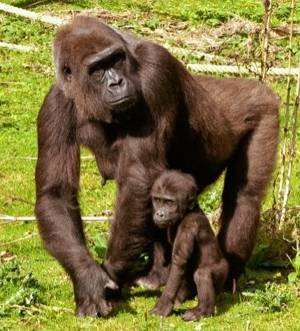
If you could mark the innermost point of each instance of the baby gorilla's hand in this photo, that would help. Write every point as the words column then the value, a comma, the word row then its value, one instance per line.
column 163, row 306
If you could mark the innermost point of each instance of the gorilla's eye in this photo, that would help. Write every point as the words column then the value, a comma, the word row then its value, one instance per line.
column 157, row 200
column 118, row 59
column 97, row 67
column 97, row 73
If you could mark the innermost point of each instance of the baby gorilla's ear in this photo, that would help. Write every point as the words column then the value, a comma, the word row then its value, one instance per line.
column 192, row 202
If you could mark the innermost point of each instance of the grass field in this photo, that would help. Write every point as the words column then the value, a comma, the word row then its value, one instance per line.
column 39, row 295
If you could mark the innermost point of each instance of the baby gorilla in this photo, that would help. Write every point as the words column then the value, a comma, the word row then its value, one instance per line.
column 196, row 254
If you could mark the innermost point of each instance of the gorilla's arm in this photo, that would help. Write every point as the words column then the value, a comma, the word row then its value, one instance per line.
column 57, row 181
column 132, row 231
column 57, row 208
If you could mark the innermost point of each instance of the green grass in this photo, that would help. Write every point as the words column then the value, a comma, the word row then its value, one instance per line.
column 24, row 81
column 134, row 314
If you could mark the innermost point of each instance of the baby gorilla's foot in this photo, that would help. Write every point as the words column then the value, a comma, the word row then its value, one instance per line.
column 150, row 283
column 153, row 281
column 163, row 307
column 195, row 314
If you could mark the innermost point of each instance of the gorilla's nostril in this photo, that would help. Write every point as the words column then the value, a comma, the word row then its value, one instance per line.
column 118, row 82
column 160, row 214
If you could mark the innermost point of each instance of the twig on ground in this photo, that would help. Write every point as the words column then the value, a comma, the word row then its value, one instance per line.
column 12, row 83
column 15, row 47
column 41, row 306
column 232, row 69
column 34, row 158
column 15, row 198
column 11, row 219
column 54, row 308
column 18, row 239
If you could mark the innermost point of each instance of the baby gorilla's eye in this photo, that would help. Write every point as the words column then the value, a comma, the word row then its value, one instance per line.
column 170, row 203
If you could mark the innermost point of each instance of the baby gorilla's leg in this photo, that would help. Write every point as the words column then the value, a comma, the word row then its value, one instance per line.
column 206, row 296
column 186, row 291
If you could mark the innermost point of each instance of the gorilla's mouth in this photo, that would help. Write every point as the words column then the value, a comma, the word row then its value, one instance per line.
column 123, row 103
column 164, row 224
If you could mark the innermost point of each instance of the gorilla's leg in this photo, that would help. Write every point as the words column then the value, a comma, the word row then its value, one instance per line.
column 245, row 182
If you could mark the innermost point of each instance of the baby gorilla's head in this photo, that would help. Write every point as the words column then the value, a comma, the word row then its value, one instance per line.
column 173, row 194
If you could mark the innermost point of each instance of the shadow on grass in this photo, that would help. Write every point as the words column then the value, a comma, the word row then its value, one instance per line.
column 256, row 279
column 33, row 3
column 145, row 293
column 123, row 306
column 28, row 4
column 251, row 281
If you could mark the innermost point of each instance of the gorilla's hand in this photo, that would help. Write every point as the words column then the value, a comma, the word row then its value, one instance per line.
column 90, row 289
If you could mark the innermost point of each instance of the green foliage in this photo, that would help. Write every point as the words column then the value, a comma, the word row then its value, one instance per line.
column 152, row 23
column 99, row 247
column 211, row 199
column 294, row 276
column 258, row 256
column 273, row 298
column 9, row 273
column 22, row 290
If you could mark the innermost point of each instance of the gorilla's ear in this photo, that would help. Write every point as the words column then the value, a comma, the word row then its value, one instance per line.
column 63, row 70
column 111, row 285
column 65, row 82
column 67, row 73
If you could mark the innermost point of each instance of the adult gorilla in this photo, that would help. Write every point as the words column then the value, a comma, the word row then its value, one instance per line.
column 139, row 111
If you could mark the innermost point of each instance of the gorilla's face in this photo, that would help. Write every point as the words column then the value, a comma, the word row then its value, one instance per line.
column 96, row 69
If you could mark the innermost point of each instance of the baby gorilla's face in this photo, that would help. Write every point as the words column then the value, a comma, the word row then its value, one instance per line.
column 173, row 195
column 166, row 211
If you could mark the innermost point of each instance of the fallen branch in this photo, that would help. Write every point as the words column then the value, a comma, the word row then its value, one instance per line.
column 232, row 69
column 9, row 219
column 39, row 307
column 31, row 15
column 197, row 54
column 34, row 158
column 19, row 48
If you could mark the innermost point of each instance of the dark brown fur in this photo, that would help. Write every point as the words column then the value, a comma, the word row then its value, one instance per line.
column 197, row 124
column 196, row 255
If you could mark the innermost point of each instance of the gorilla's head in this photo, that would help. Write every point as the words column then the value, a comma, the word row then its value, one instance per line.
column 96, row 69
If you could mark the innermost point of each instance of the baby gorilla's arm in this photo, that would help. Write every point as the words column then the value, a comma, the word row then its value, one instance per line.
column 182, row 250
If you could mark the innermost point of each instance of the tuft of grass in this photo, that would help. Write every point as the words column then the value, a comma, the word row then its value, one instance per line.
column 294, row 276
column 273, row 298
column 22, row 291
